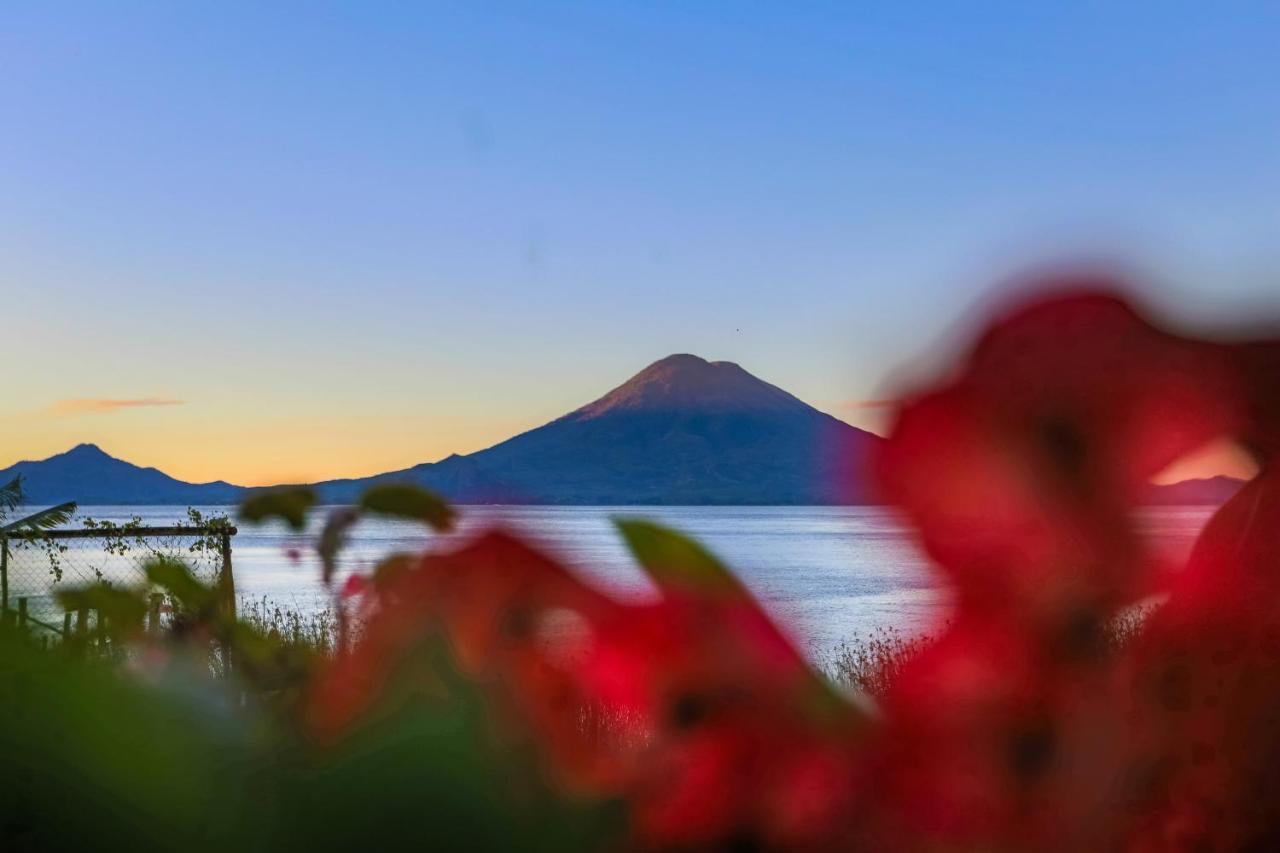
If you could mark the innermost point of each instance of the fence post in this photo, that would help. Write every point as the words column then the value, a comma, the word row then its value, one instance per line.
column 22, row 613
column 153, row 612
column 226, row 600
column 226, row 580
column 4, row 574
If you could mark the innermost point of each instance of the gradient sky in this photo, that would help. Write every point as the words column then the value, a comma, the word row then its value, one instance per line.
column 314, row 240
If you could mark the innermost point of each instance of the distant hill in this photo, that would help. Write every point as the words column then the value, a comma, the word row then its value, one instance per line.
column 682, row 431
column 89, row 476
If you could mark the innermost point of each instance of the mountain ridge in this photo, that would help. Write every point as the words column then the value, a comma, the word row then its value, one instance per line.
column 683, row 430
column 89, row 475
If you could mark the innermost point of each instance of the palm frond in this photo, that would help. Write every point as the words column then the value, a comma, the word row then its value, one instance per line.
column 42, row 520
column 11, row 494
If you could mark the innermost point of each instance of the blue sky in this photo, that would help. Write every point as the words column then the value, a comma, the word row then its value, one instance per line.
column 338, row 238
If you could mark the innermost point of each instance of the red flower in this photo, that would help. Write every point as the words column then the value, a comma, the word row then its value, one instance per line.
column 1206, row 725
column 1021, row 473
column 1021, row 729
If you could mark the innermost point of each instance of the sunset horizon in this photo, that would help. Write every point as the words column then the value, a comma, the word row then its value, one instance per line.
column 1213, row 460
column 331, row 243
column 67, row 423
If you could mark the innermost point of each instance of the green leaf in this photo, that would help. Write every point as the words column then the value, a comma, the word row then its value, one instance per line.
column 673, row 560
column 175, row 578
column 124, row 609
column 403, row 500
column 11, row 494
column 131, row 746
column 392, row 568
column 290, row 504
column 333, row 537
column 42, row 520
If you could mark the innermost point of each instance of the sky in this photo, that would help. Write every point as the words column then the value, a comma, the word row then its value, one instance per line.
column 286, row 241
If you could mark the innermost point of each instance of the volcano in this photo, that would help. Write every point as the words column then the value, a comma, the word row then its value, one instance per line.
column 682, row 431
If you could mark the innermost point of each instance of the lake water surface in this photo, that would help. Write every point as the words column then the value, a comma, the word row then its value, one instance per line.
column 826, row 573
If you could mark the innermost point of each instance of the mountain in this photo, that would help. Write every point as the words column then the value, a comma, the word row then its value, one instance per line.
column 682, row 431
column 89, row 476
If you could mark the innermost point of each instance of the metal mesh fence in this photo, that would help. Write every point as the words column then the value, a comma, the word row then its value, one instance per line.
column 35, row 567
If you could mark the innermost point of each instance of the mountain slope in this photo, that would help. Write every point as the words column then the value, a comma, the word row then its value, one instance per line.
column 682, row 431
column 89, row 476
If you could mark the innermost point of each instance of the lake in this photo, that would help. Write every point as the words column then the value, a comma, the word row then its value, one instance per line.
column 825, row 573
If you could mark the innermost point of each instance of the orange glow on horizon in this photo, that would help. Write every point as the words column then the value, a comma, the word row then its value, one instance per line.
column 1218, row 458
column 289, row 451
column 317, row 454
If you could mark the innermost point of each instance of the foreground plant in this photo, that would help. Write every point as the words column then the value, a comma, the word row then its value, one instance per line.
column 491, row 698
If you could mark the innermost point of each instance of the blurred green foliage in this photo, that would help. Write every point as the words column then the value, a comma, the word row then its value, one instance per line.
column 191, row 734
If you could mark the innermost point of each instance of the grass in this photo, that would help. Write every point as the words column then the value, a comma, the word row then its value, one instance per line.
column 870, row 664
column 866, row 663
column 316, row 630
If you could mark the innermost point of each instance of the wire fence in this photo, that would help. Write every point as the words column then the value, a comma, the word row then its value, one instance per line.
column 35, row 567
